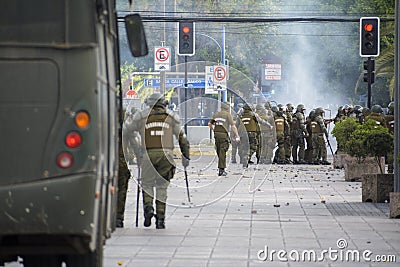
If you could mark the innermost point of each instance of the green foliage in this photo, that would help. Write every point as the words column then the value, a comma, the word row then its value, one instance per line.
column 367, row 132
column 342, row 131
column 379, row 144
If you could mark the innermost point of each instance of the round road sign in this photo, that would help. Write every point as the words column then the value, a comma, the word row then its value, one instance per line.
column 162, row 54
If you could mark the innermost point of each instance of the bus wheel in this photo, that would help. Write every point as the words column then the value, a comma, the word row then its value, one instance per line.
column 92, row 259
column 42, row 261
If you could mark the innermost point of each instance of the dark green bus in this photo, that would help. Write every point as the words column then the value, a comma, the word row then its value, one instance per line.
column 59, row 76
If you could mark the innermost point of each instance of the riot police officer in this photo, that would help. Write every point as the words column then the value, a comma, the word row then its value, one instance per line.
column 281, row 127
column 220, row 123
column 247, row 124
column 157, row 125
column 299, row 131
column 318, row 142
column 377, row 115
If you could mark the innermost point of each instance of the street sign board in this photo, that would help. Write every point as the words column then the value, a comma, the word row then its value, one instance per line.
column 174, row 82
column 162, row 58
column 220, row 74
column 210, row 88
column 273, row 72
column 131, row 94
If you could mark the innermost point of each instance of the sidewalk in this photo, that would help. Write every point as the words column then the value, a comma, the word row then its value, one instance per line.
column 226, row 224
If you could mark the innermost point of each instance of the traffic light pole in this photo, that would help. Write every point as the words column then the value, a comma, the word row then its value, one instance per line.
column 186, row 88
column 369, row 62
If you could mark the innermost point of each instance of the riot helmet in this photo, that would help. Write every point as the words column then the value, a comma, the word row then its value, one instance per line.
column 376, row 109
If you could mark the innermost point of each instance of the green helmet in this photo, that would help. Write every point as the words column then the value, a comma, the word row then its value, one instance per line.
column 156, row 99
column 281, row 107
column 312, row 114
column 267, row 105
column 319, row 111
column 391, row 108
column 376, row 109
column 365, row 111
column 289, row 107
column 357, row 109
column 300, row 108
column 274, row 108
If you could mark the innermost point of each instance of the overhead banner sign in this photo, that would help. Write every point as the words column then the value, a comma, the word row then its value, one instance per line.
column 273, row 72
column 174, row 82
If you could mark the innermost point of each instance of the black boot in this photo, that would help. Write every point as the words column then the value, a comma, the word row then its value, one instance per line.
column 148, row 214
column 222, row 172
column 160, row 223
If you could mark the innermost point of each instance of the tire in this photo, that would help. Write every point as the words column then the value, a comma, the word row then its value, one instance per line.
column 42, row 261
column 91, row 259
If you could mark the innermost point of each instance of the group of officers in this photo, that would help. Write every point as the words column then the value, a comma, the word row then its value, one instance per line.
column 275, row 134
column 262, row 128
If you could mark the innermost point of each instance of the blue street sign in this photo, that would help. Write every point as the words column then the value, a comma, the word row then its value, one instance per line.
column 174, row 82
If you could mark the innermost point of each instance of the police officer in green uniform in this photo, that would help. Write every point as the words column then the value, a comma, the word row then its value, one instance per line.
column 377, row 115
column 157, row 125
column 318, row 142
column 280, row 126
column 299, row 131
column 288, row 135
column 265, row 132
column 220, row 123
column 247, row 125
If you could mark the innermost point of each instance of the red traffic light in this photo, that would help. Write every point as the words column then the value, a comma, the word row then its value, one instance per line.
column 368, row 27
column 186, row 29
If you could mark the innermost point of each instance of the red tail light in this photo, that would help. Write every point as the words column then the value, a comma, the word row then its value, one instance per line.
column 73, row 140
column 65, row 160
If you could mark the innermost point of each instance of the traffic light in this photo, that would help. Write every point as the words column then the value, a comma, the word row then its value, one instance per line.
column 186, row 41
column 369, row 36
column 369, row 66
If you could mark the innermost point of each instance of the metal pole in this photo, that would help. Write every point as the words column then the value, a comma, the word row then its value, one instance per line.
column 186, row 87
column 369, row 83
column 396, row 99
column 224, row 93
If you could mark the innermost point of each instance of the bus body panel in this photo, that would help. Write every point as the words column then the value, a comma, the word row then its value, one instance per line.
column 54, row 63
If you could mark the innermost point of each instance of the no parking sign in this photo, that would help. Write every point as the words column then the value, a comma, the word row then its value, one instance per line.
column 162, row 58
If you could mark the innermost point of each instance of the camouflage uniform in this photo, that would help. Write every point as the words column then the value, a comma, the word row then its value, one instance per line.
column 157, row 126
column 299, row 131
column 318, row 142
column 220, row 123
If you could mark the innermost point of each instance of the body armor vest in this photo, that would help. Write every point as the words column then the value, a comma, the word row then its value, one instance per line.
column 159, row 131
column 390, row 123
column 249, row 122
column 315, row 127
column 221, row 122
column 295, row 122
column 280, row 124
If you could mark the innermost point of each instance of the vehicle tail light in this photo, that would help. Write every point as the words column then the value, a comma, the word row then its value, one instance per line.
column 65, row 160
column 82, row 119
column 73, row 140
